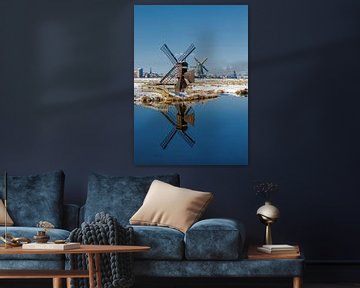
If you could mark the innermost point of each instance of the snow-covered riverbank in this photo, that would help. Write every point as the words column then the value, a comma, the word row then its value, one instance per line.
column 150, row 88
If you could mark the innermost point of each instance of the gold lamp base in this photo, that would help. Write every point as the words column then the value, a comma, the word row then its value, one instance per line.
column 268, row 238
column 268, row 214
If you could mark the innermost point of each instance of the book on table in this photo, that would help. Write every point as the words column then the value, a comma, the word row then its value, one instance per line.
column 255, row 254
column 51, row 246
column 278, row 249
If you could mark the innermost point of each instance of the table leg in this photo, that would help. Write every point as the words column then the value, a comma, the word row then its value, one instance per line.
column 57, row 283
column 297, row 282
column 91, row 270
column 98, row 270
column 68, row 282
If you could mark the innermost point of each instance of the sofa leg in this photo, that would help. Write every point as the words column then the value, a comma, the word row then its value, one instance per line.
column 297, row 282
column 57, row 283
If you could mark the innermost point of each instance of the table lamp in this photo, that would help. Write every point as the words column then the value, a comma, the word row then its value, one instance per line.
column 268, row 214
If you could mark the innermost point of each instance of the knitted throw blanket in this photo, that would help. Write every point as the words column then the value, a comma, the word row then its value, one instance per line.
column 116, row 268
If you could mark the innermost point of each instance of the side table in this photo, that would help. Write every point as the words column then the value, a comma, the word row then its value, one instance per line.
column 290, row 260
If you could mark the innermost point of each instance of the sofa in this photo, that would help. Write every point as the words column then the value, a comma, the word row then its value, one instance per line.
column 209, row 248
column 32, row 199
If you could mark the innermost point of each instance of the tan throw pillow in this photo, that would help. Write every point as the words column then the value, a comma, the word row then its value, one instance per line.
column 170, row 206
column 9, row 221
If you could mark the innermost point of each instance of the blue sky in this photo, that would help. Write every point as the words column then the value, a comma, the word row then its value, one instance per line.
column 219, row 32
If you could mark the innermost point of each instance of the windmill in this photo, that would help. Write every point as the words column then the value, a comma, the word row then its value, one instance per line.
column 200, row 67
column 179, row 70
column 184, row 116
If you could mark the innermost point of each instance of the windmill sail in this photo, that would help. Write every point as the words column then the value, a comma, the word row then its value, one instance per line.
column 169, row 54
column 170, row 75
column 187, row 138
column 187, row 53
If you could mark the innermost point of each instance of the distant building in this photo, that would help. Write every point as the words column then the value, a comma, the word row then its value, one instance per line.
column 151, row 74
column 232, row 75
column 139, row 73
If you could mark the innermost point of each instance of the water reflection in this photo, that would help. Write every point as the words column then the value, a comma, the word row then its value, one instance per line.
column 185, row 116
column 211, row 132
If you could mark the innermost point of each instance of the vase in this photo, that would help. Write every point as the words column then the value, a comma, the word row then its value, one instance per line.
column 268, row 214
column 41, row 237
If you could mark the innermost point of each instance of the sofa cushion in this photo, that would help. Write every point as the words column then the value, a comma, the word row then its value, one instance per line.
column 165, row 243
column 214, row 239
column 170, row 206
column 35, row 198
column 119, row 196
column 29, row 232
column 9, row 221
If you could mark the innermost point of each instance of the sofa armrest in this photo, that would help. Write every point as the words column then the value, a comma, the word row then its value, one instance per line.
column 71, row 216
column 215, row 239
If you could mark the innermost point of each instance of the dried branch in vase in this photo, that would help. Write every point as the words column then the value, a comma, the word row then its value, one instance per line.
column 265, row 189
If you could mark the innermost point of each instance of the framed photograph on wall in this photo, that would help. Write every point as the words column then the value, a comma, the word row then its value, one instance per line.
column 191, row 84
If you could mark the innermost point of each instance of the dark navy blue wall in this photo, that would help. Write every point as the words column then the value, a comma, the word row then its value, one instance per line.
column 66, row 102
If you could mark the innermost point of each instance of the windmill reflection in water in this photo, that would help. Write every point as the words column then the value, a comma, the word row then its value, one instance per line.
column 185, row 115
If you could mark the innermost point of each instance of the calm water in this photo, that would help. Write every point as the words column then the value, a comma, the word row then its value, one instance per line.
column 218, row 136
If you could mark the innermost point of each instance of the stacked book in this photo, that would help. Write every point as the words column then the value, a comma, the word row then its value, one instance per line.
column 279, row 249
column 51, row 246
column 273, row 252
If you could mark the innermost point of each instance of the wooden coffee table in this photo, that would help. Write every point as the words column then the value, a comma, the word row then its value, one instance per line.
column 92, row 251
